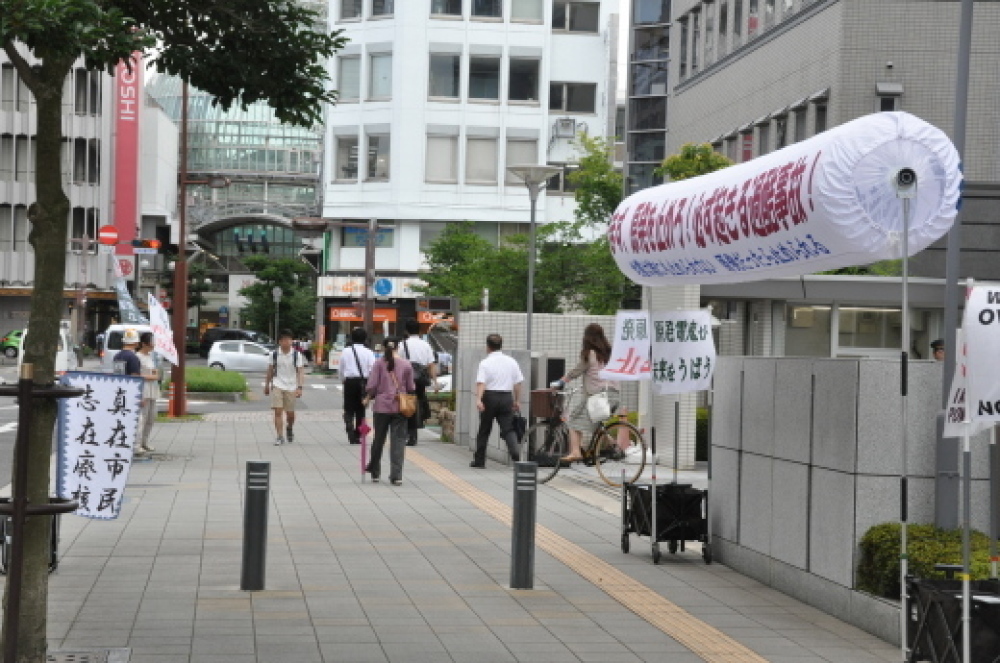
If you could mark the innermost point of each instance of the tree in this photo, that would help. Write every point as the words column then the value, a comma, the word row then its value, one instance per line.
column 693, row 160
column 238, row 51
column 297, row 308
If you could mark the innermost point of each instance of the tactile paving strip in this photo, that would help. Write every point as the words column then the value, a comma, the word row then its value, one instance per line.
column 704, row 640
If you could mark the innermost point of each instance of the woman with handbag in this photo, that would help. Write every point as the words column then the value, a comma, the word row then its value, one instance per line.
column 594, row 355
column 390, row 386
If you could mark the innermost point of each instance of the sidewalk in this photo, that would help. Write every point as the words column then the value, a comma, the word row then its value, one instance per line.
column 371, row 572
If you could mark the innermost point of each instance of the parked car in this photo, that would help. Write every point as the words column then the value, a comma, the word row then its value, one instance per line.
column 66, row 358
column 113, row 343
column 239, row 356
column 10, row 343
column 214, row 334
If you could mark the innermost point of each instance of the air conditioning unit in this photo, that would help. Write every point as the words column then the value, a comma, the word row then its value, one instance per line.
column 565, row 127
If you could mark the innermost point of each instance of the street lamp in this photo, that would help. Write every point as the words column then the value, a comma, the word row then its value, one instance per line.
column 533, row 176
column 276, row 293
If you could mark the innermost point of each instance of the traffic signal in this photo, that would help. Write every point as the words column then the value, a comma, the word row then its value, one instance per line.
column 147, row 244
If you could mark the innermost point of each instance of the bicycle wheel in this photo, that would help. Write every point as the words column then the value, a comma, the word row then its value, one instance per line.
column 619, row 446
column 546, row 445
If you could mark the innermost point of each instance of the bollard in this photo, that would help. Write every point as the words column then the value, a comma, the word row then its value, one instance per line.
column 255, row 525
column 522, row 540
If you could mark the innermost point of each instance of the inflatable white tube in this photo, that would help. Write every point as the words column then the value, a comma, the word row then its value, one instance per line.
column 824, row 203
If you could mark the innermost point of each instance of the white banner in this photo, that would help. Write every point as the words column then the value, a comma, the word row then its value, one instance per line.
column 97, row 433
column 956, row 420
column 629, row 348
column 982, row 341
column 822, row 203
column 163, row 335
column 683, row 351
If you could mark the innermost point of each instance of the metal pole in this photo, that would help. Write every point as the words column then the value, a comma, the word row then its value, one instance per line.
column 178, row 407
column 946, row 489
column 522, row 533
column 677, row 433
column 994, row 502
column 258, row 487
column 533, row 196
column 369, row 313
column 966, row 548
column 903, row 387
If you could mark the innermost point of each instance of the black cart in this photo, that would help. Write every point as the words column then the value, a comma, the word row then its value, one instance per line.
column 680, row 514
column 935, row 614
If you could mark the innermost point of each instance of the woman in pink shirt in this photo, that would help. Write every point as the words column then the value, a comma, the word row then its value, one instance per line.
column 390, row 375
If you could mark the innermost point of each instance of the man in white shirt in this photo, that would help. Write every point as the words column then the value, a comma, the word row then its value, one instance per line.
column 498, row 390
column 419, row 353
column 356, row 363
column 284, row 380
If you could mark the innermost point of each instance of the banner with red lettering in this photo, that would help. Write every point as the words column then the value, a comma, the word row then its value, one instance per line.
column 128, row 102
column 823, row 203
column 629, row 348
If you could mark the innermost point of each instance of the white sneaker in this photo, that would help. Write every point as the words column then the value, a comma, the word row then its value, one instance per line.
column 278, row 442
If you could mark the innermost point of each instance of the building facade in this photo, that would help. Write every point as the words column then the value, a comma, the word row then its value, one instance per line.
column 437, row 99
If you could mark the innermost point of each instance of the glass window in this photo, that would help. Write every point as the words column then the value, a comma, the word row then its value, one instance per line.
column 350, row 8
column 382, row 7
column 349, row 78
column 752, row 22
column 519, row 152
column 430, row 231
column 347, row 158
column 800, row 124
column 649, row 78
column 650, row 113
column 527, row 10
column 6, row 228
column 481, row 161
column 573, row 97
column 861, row 327
column 378, row 157
column 820, row 124
column 709, row 33
column 487, row 8
column 888, row 103
column 647, row 146
column 641, row 176
column 763, row 139
column 731, row 152
column 651, row 11
column 807, row 332
column 695, row 41
column 780, row 132
column 723, row 44
column 684, row 49
column 8, row 87
column 737, row 23
column 484, row 78
column 446, row 7
column 6, row 158
column 442, row 159
column 380, row 83
column 768, row 13
column 523, row 80
column 444, row 73
column 652, row 43
column 576, row 16
column 20, row 230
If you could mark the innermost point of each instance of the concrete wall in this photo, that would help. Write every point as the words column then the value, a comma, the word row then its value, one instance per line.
column 806, row 457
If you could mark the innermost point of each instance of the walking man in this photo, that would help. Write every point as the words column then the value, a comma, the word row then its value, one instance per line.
column 421, row 355
column 285, row 377
column 498, row 390
column 355, row 366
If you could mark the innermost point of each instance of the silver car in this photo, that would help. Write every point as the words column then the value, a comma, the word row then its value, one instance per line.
column 239, row 356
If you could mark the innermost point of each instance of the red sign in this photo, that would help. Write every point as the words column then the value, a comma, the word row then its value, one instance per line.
column 128, row 87
column 126, row 266
column 107, row 235
column 348, row 314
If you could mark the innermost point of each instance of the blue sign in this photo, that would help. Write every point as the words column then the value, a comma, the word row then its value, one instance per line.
column 383, row 287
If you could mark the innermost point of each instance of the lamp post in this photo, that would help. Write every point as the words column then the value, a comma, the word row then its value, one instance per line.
column 533, row 176
column 276, row 292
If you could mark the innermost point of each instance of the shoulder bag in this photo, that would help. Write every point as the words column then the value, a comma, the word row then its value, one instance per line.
column 421, row 376
column 407, row 402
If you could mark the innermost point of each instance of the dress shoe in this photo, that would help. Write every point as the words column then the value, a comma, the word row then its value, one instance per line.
column 478, row 466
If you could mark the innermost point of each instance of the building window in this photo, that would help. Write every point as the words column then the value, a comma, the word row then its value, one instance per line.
column 519, row 152
column 349, row 78
column 347, row 159
column 380, row 77
column 378, row 158
column 446, row 7
column 444, row 73
column 649, row 114
column 888, row 103
column 523, row 80
column 442, row 159
column 382, row 7
column 651, row 11
column 19, row 234
column 752, row 20
column 746, row 146
column 86, row 161
column 8, row 87
column 769, row 14
column 350, row 9
column 650, row 78
column 780, row 132
column 559, row 184
column 731, row 149
column 647, row 146
column 576, row 16
column 709, row 33
column 481, row 161
column 86, row 92
column 684, row 49
column 820, row 122
column 723, row 45
column 737, row 23
column 484, row 78
column 6, row 227
column 652, row 43
column 573, row 97
column 487, row 8
column 695, row 41
column 85, row 222
column 800, row 124
column 763, row 139
column 527, row 10
column 6, row 158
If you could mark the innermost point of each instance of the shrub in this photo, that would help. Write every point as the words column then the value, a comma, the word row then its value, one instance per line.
column 701, row 434
column 927, row 545
column 209, row 379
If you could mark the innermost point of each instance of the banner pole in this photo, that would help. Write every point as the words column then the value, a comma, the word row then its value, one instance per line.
column 649, row 384
column 904, row 383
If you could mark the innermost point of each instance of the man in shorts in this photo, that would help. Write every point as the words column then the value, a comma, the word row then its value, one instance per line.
column 285, row 377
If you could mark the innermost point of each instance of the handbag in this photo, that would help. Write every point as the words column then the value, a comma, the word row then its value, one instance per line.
column 598, row 407
column 520, row 424
column 421, row 376
column 407, row 402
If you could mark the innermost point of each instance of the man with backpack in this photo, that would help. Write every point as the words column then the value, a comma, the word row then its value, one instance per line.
column 285, row 377
column 424, row 360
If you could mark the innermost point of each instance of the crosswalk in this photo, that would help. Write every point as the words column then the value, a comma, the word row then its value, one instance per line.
column 9, row 427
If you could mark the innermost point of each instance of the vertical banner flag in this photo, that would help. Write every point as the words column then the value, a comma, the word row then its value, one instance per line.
column 683, row 351
column 982, row 341
column 163, row 336
column 629, row 348
column 97, row 433
column 128, row 103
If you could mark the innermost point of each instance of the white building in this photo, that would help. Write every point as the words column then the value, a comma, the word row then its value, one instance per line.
column 437, row 98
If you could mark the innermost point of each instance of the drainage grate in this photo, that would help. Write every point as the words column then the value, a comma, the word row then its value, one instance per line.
column 117, row 655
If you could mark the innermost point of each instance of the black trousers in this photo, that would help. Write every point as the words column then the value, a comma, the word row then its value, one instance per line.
column 497, row 405
column 416, row 422
column 354, row 409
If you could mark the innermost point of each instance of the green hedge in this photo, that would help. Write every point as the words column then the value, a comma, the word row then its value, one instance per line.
column 927, row 545
column 209, row 379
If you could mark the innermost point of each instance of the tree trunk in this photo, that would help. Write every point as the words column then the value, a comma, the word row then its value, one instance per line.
column 49, row 219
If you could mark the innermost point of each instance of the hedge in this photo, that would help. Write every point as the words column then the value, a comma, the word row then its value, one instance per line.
column 209, row 379
column 927, row 545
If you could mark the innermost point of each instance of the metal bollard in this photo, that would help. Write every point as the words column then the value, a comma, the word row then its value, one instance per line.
column 255, row 525
column 522, row 540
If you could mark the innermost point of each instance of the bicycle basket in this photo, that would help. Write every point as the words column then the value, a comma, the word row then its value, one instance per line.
column 544, row 402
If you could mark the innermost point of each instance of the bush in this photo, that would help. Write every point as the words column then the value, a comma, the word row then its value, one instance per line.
column 209, row 379
column 701, row 434
column 927, row 545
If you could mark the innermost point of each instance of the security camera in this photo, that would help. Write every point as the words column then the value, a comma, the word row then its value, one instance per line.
column 904, row 181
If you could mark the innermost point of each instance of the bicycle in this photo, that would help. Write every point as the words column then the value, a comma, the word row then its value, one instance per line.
column 615, row 444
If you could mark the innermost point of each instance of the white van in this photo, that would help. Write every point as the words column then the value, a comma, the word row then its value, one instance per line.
column 65, row 357
column 113, row 343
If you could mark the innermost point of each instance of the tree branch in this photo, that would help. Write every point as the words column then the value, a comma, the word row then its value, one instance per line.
column 24, row 70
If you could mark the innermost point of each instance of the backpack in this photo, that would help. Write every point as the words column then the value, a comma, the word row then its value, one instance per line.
column 295, row 359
